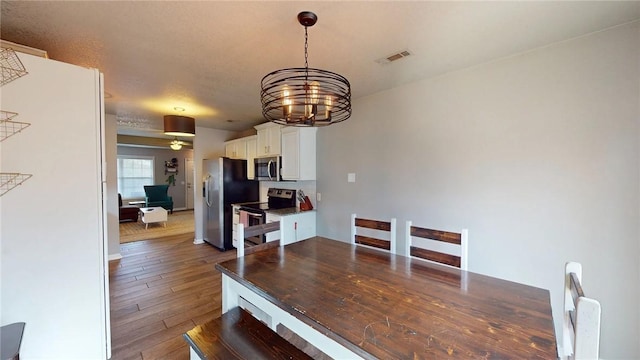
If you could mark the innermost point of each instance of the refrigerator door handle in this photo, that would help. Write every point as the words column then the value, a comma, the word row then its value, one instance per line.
column 207, row 191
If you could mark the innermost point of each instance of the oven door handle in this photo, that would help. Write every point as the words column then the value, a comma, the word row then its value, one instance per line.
column 251, row 212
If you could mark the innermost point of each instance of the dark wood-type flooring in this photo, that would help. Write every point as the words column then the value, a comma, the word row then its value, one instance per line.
column 160, row 289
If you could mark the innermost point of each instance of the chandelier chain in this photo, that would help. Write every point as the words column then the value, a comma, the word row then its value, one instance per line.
column 306, row 53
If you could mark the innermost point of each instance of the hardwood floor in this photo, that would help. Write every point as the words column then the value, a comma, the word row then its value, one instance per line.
column 160, row 289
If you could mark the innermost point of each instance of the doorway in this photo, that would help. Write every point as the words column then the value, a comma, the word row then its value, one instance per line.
column 189, row 176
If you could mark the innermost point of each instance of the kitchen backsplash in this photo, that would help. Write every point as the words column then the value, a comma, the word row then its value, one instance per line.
column 309, row 188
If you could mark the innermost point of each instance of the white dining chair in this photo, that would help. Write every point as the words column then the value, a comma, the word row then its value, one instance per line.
column 444, row 247
column 366, row 232
column 256, row 230
column 581, row 323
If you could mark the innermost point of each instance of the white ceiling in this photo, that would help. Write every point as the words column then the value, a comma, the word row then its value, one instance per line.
column 209, row 57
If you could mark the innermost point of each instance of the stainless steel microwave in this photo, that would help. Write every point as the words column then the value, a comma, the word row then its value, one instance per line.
column 268, row 168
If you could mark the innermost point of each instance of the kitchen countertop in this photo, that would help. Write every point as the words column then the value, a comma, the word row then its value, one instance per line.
column 286, row 211
column 247, row 203
column 279, row 212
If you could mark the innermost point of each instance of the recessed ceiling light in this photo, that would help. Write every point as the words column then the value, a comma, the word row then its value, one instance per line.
column 178, row 108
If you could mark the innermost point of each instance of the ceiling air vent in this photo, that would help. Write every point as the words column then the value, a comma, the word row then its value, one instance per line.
column 393, row 57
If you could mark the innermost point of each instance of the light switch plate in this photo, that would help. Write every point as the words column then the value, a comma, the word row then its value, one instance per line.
column 351, row 177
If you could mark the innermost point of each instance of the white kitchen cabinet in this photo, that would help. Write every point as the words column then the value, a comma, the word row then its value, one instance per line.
column 298, row 153
column 235, row 213
column 293, row 227
column 274, row 235
column 236, row 149
column 251, row 154
column 268, row 140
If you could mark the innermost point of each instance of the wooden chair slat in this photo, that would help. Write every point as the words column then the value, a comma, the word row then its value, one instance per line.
column 261, row 229
column 369, row 241
column 576, row 288
column 439, row 257
column 572, row 317
column 373, row 224
column 439, row 235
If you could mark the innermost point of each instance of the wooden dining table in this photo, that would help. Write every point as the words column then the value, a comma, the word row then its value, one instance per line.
column 354, row 302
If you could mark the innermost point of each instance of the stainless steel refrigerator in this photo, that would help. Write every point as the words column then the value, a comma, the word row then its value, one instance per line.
column 225, row 183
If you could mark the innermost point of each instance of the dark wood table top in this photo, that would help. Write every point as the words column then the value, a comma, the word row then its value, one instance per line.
column 385, row 306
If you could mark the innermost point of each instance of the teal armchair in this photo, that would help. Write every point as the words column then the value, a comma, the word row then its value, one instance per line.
column 157, row 195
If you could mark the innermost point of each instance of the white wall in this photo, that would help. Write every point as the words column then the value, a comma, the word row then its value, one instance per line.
column 536, row 154
column 113, row 211
column 208, row 144
column 308, row 187
column 52, row 250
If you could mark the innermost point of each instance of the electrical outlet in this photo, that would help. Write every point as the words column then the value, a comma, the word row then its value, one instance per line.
column 351, row 177
column 318, row 197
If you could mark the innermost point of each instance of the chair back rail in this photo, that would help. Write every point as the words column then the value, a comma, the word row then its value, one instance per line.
column 377, row 226
column 440, row 255
column 447, row 259
column 251, row 231
column 581, row 326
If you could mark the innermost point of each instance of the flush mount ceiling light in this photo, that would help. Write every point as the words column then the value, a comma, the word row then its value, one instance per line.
column 177, row 125
column 176, row 144
column 305, row 96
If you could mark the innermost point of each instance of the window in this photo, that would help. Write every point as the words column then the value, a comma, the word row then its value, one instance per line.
column 133, row 173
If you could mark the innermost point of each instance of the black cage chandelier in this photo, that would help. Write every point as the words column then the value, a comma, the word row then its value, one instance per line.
column 305, row 96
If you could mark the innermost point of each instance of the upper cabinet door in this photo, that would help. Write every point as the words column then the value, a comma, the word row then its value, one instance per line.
column 251, row 154
column 290, row 154
column 236, row 149
column 268, row 141
column 298, row 153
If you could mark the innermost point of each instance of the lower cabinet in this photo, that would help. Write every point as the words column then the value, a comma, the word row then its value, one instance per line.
column 293, row 227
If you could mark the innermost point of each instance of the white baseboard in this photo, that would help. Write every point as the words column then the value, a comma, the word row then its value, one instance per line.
column 198, row 241
column 115, row 256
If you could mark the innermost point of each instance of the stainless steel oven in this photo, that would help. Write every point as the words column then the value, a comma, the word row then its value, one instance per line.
column 253, row 217
column 255, row 213
column 267, row 168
